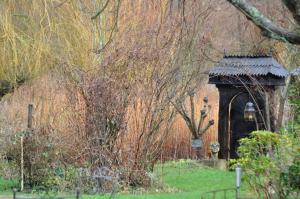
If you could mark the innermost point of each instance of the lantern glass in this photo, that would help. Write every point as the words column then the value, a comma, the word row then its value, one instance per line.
column 249, row 112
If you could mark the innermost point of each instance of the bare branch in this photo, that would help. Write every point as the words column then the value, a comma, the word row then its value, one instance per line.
column 193, row 122
column 268, row 28
column 100, row 11
column 210, row 123
column 203, row 115
column 186, row 119
column 114, row 28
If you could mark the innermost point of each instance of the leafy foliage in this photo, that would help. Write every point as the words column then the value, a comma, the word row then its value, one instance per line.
column 270, row 163
column 7, row 184
column 294, row 97
column 291, row 178
column 8, row 175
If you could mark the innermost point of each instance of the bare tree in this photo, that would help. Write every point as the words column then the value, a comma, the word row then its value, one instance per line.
column 197, row 129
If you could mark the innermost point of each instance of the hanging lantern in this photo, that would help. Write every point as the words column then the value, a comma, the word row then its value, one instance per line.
column 249, row 112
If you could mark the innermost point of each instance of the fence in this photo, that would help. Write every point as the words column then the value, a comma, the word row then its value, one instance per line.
column 77, row 195
column 224, row 191
column 97, row 179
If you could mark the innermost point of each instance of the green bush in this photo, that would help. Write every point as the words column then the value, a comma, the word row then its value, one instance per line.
column 8, row 175
column 291, row 177
column 270, row 164
column 294, row 99
column 59, row 179
column 8, row 169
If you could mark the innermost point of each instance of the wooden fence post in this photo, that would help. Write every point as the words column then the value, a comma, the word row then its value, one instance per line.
column 14, row 193
column 30, row 113
column 77, row 193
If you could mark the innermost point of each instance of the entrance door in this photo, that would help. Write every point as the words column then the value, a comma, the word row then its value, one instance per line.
column 239, row 128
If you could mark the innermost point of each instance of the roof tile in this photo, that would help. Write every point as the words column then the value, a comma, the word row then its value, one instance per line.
column 248, row 65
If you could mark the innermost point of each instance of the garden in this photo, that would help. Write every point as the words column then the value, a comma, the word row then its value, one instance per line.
column 150, row 99
column 175, row 179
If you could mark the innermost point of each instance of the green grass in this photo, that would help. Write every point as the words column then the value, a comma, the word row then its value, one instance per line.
column 7, row 184
column 187, row 180
column 191, row 177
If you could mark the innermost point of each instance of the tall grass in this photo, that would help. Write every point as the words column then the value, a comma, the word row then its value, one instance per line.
column 178, row 143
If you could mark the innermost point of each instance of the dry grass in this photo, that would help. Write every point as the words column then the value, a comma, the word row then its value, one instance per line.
column 48, row 97
column 51, row 110
column 178, row 143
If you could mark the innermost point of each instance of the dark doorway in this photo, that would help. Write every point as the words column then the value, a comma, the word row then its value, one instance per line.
column 239, row 128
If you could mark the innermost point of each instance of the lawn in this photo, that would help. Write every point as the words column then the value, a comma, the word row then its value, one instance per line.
column 186, row 180
column 181, row 180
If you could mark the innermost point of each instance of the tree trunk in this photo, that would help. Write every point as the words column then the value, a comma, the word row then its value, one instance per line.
column 267, row 109
column 283, row 98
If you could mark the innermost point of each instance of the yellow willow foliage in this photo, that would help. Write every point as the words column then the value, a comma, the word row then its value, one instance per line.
column 37, row 35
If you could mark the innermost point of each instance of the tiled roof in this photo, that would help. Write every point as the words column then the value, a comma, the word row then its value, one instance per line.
column 248, row 65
